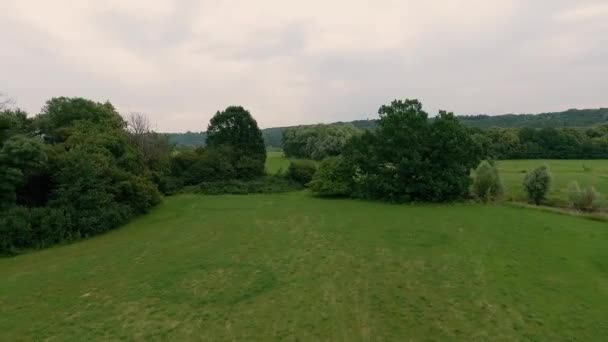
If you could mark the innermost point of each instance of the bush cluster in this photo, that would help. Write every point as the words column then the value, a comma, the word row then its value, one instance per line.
column 264, row 185
column 235, row 151
column 586, row 200
column 334, row 177
column 68, row 173
column 301, row 171
column 406, row 158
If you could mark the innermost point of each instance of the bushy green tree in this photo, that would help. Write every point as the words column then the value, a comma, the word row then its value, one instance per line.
column 13, row 122
column 334, row 177
column 487, row 185
column 61, row 113
column 235, row 128
column 409, row 158
column 537, row 184
column 70, row 173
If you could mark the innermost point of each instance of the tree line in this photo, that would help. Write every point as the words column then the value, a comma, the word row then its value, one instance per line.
column 319, row 141
column 78, row 168
column 573, row 119
column 545, row 143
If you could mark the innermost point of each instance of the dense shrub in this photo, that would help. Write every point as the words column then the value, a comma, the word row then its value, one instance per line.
column 334, row 177
column 264, row 185
column 235, row 150
column 301, row 171
column 15, row 230
column 214, row 163
column 73, row 172
column 587, row 200
column 537, row 184
column 248, row 168
column 487, row 185
column 409, row 158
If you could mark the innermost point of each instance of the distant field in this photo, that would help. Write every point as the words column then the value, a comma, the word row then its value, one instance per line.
column 585, row 172
column 293, row 267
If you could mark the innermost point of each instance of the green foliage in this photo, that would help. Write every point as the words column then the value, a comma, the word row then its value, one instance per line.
column 13, row 122
column 61, row 113
column 316, row 142
column 547, row 143
column 334, row 177
column 264, row 185
column 236, row 128
column 22, row 158
column 214, row 164
column 487, row 185
column 587, row 200
column 537, row 184
column 191, row 167
column 15, row 230
column 409, row 158
column 301, row 171
column 235, row 150
column 247, row 167
column 72, row 172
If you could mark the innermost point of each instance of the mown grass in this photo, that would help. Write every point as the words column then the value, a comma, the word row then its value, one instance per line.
column 295, row 267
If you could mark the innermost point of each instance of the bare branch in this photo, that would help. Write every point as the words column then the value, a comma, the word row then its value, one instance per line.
column 138, row 124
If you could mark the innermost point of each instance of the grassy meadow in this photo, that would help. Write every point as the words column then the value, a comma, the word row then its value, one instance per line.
column 585, row 172
column 295, row 267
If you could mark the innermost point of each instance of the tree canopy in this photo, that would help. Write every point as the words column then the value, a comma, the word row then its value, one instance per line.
column 408, row 157
column 237, row 129
column 70, row 172
column 317, row 141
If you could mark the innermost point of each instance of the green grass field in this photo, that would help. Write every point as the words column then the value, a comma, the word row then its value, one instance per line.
column 294, row 267
column 585, row 172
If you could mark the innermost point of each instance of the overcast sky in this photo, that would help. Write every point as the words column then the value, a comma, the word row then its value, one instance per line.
column 294, row 62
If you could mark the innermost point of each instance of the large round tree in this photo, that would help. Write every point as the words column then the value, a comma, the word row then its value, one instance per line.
column 236, row 128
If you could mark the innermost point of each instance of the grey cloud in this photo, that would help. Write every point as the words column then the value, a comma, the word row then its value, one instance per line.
column 288, row 67
column 258, row 44
column 147, row 35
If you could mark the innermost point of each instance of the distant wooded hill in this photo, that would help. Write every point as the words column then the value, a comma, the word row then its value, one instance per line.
column 570, row 118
